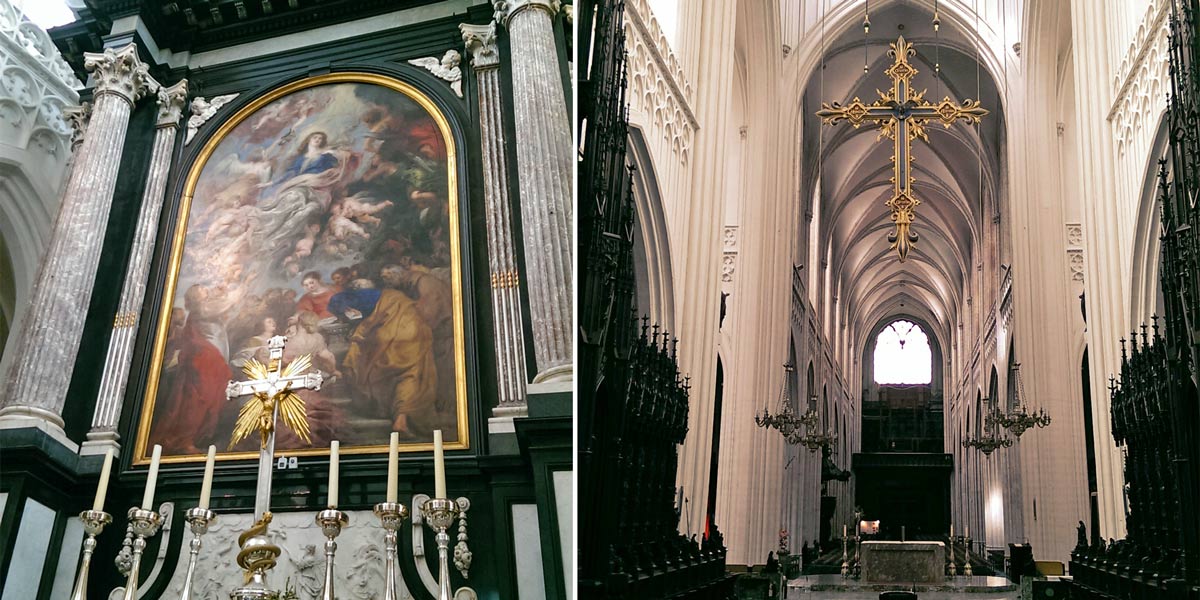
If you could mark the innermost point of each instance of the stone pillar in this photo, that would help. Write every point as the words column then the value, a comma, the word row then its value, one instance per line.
column 120, row 346
column 544, row 173
column 506, row 299
column 36, row 388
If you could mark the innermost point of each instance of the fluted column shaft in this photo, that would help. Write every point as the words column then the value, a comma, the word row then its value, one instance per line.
column 544, row 167
column 50, row 336
column 120, row 344
column 502, row 263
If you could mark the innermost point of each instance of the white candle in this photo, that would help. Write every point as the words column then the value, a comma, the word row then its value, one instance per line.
column 843, row 530
column 151, row 479
column 952, row 531
column 102, row 487
column 968, row 532
column 393, row 466
column 439, row 466
column 206, row 487
column 333, row 473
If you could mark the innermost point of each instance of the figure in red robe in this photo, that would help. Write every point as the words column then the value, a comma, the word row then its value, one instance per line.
column 189, row 410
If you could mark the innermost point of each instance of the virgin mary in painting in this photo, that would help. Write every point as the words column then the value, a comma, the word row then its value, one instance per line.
column 326, row 214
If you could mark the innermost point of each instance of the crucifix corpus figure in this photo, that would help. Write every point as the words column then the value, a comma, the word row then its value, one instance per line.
column 271, row 388
column 902, row 115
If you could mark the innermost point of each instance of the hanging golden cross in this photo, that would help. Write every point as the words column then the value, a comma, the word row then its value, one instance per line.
column 902, row 115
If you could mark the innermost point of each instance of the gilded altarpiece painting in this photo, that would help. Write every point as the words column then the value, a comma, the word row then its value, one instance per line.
column 326, row 211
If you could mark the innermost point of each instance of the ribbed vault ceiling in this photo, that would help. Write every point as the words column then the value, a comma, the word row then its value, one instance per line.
column 855, row 172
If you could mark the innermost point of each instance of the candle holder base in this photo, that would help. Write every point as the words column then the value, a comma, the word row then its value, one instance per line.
column 199, row 519
column 93, row 523
column 256, row 558
column 440, row 514
column 331, row 521
column 145, row 523
column 391, row 516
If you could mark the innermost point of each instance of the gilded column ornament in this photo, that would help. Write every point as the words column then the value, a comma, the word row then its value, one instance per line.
column 50, row 335
column 120, row 345
column 545, row 164
column 480, row 41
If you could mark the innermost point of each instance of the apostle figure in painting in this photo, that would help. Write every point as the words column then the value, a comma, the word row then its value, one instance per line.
column 303, row 338
column 391, row 364
column 190, row 409
column 356, row 303
column 316, row 297
column 255, row 346
column 435, row 303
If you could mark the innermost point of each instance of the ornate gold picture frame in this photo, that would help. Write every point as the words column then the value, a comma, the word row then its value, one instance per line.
column 325, row 210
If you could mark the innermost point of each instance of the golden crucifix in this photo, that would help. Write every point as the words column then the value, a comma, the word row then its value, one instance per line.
column 902, row 115
column 271, row 388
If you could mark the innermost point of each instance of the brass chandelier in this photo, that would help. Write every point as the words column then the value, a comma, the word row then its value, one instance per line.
column 1019, row 419
column 795, row 428
column 992, row 439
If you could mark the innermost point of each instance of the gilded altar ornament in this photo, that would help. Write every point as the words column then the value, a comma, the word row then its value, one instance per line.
column 258, row 413
column 901, row 115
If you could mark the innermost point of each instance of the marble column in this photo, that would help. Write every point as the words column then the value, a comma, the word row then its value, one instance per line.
column 506, row 298
column 36, row 388
column 544, row 174
column 120, row 346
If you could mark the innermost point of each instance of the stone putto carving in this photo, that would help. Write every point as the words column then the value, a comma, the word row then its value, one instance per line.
column 120, row 72
column 445, row 68
column 481, row 44
column 202, row 111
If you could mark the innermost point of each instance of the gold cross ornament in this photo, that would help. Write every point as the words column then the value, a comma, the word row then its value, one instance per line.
column 901, row 115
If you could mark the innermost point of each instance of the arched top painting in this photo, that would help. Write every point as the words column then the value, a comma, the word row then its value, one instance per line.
column 325, row 211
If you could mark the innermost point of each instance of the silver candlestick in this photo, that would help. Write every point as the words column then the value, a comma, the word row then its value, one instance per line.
column 331, row 521
column 391, row 515
column 953, row 567
column 145, row 524
column 93, row 523
column 845, row 559
column 967, row 560
column 440, row 514
column 198, row 519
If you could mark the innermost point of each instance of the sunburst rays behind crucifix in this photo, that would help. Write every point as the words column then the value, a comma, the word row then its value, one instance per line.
column 902, row 115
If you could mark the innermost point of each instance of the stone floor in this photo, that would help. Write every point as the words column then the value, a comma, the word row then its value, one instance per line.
column 834, row 586
column 794, row 594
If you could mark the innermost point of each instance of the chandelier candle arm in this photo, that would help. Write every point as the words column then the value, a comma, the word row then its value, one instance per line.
column 93, row 523
column 901, row 115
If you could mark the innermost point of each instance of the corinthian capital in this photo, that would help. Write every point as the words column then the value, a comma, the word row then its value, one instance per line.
column 507, row 9
column 481, row 44
column 119, row 72
column 171, row 101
